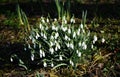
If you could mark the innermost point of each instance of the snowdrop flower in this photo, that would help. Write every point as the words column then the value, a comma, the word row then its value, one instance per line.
column 72, row 20
column 39, row 45
column 103, row 40
column 71, row 62
column 71, row 45
column 29, row 46
column 56, row 35
column 69, row 31
column 68, row 44
column 40, row 51
column 55, row 19
column 46, row 28
column 34, row 45
column 92, row 46
column 74, row 35
column 79, row 54
column 25, row 48
column 11, row 59
column 84, row 46
column 95, row 38
column 77, row 51
column 32, row 57
column 47, row 20
column 53, row 27
column 60, row 57
column 41, row 27
column 33, row 40
column 78, row 32
column 79, row 44
column 81, row 25
column 44, row 36
column 30, row 37
column 64, row 28
column 65, row 21
column 43, row 53
column 56, row 48
column 37, row 36
column 51, row 43
column 51, row 50
column 66, row 37
column 45, row 64
column 52, row 65
column 51, row 37
column 58, row 45
column 43, row 21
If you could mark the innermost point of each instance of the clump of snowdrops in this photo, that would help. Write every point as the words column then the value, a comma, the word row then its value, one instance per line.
column 56, row 43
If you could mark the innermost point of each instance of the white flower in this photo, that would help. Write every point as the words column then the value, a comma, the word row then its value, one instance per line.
column 32, row 57
column 34, row 45
column 11, row 59
column 29, row 46
column 42, row 34
column 77, row 51
column 43, row 53
column 79, row 44
column 40, row 51
column 78, row 32
column 71, row 45
column 51, row 50
column 60, row 57
column 103, row 40
column 79, row 54
column 92, row 46
column 45, row 64
column 72, row 20
column 33, row 40
column 40, row 26
column 56, row 48
column 56, row 35
column 74, row 35
column 43, row 20
column 46, row 28
column 45, row 36
column 55, row 19
column 25, row 48
column 68, row 44
column 84, row 45
column 51, row 37
column 95, row 38
column 69, row 31
column 64, row 28
column 81, row 25
column 66, row 37
column 30, row 37
column 47, row 20
column 58, row 45
column 71, row 62
column 51, row 43
column 53, row 27
column 39, row 45
column 37, row 36
column 52, row 65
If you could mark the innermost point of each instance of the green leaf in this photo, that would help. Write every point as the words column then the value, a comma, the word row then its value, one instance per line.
column 62, row 64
